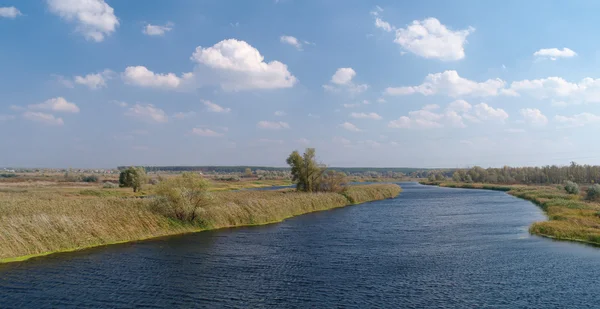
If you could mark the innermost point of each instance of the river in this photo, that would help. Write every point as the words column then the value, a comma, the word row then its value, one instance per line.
column 429, row 248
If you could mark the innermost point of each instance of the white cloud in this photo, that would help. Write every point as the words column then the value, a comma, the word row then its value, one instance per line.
column 381, row 100
column 157, row 30
column 270, row 141
column 485, row 112
column 120, row 103
column 215, row 108
column 94, row 80
column 453, row 116
column 351, row 105
column 376, row 11
column 290, row 40
column 147, row 113
column 429, row 38
column 587, row 90
column 236, row 65
column 373, row 116
column 514, row 130
column 578, row 120
column 273, row 125
column 206, row 132
column 451, row 84
column 63, row 81
column 350, row 127
column 142, row 77
column 9, row 12
column 94, row 18
column 182, row 115
column 58, row 104
column 533, row 116
column 384, row 25
column 342, row 81
column 314, row 116
column 341, row 140
column 554, row 53
column 43, row 118
column 280, row 113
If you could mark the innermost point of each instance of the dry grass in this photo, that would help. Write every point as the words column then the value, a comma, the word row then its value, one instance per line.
column 34, row 221
column 570, row 217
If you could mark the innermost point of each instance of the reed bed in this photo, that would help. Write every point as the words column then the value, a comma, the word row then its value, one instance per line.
column 36, row 223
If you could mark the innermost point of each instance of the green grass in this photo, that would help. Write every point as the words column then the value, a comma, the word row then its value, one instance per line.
column 57, row 219
column 570, row 216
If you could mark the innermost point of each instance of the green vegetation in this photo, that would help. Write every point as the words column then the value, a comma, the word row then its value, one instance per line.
column 571, row 187
column 59, row 218
column 593, row 193
column 571, row 217
column 133, row 177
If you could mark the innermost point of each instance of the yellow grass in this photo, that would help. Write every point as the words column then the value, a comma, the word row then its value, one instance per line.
column 38, row 221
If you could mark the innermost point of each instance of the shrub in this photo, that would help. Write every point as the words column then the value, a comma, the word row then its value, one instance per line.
column 90, row 178
column 182, row 197
column 110, row 185
column 154, row 181
column 593, row 192
column 571, row 187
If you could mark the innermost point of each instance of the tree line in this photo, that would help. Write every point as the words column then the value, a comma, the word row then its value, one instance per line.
column 549, row 174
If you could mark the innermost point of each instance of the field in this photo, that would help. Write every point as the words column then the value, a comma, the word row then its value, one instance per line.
column 570, row 216
column 42, row 217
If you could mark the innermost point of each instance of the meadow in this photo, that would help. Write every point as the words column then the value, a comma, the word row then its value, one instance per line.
column 39, row 218
column 570, row 216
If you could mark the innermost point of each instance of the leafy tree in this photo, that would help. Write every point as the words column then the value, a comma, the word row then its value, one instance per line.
column 333, row 181
column 90, row 178
column 571, row 187
column 248, row 172
column 182, row 197
column 306, row 171
column 132, row 177
column 593, row 192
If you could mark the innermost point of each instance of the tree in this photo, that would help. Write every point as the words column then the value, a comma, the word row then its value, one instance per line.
column 571, row 187
column 593, row 192
column 306, row 171
column 333, row 181
column 247, row 172
column 182, row 197
column 132, row 177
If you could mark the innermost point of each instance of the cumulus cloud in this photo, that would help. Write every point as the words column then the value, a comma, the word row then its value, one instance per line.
column 206, row 132
column 350, row 127
column 451, row 84
column 236, row 65
column 147, row 113
column 577, row 120
column 533, row 116
column 58, row 104
column 215, row 108
column 454, row 116
column 9, row 12
column 157, row 30
column 94, row 80
column 341, row 81
column 43, row 118
column 587, row 90
column 290, row 40
column 554, row 53
column 94, row 19
column 429, row 38
column 373, row 116
column 273, row 125
column 142, row 77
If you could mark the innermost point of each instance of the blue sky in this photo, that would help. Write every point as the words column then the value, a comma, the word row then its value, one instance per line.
column 368, row 83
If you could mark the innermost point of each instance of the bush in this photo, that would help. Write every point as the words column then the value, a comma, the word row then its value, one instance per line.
column 90, row 178
column 182, row 197
column 593, row 192
column 571, row 187
column 154, row 181
column 110, row 185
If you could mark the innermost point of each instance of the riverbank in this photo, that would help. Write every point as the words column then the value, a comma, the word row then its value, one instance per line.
column 570, row 217
column 41, row 222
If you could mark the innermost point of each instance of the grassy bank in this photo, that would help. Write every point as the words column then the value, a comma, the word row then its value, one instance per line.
column 570, row 216
column 36, row 222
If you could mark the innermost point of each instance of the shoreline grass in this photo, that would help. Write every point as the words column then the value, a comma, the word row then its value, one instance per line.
column 570, row 217
column 39, row 223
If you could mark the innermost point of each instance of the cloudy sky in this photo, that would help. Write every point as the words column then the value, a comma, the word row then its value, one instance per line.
column 100, row 83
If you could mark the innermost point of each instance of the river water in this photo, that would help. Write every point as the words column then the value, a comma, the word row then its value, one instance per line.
column 429, row 248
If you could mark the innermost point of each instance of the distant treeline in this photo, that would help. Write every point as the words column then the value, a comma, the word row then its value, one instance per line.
column 242, row 169
column 553, row 174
